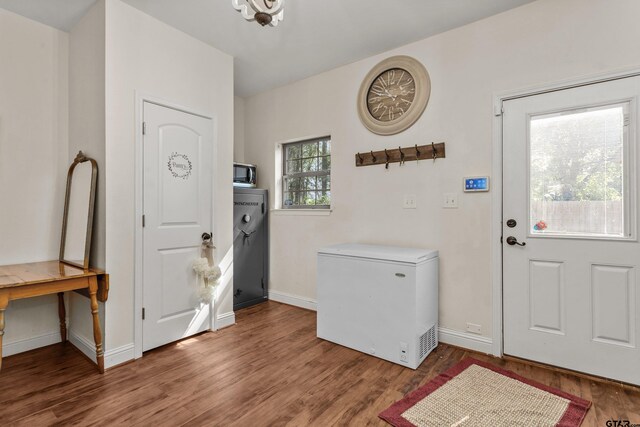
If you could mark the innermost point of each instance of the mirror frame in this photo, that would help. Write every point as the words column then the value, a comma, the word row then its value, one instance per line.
column 80, row 158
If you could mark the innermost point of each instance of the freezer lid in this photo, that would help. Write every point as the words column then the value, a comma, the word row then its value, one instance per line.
column 378, row 252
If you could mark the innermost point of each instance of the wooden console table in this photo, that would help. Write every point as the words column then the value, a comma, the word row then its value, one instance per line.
column 53, row 277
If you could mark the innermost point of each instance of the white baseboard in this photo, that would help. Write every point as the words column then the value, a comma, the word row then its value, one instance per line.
column 11, row 348
column 83, row 344
column 112, row 357
column 465, row 340
column 225, row 319
column 118, row 355
column 447, row 336
column 294, row 300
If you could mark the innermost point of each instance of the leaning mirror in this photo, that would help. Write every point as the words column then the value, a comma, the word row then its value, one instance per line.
column 79, row 203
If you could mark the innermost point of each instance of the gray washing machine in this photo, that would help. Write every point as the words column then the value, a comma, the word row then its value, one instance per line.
column 250, row 246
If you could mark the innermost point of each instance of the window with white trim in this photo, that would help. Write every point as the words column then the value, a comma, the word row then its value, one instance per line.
column 306, row 174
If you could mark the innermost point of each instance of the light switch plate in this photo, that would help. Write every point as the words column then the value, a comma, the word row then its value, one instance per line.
column 409, row 201
column 450, row 200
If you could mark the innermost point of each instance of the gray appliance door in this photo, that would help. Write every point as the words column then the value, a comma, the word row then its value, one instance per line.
column 249, row 248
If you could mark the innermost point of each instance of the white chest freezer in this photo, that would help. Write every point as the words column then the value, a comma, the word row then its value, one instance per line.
column 380, row 300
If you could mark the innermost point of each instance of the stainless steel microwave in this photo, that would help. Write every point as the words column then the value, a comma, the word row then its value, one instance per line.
column 244, row 175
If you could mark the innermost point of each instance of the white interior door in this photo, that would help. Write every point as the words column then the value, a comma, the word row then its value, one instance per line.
column 177, row 199
column 571, row 294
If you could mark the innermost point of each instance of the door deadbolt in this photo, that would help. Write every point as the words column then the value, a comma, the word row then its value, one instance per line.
column 511, row 223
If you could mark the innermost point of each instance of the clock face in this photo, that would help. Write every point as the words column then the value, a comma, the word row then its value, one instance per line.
column 391, row 94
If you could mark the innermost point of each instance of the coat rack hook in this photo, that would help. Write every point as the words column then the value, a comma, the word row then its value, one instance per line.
column 386, row 165
column 373, row 157
column 401, row 156
column 433, row 151
column 360, row 157
column 417, row 153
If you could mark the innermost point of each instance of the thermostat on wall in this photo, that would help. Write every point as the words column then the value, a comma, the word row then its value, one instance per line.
column 476, row 183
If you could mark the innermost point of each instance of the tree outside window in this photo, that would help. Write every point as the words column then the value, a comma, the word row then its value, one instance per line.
column 306, row 180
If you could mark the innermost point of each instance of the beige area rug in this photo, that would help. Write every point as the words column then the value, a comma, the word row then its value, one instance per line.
column 474, row 393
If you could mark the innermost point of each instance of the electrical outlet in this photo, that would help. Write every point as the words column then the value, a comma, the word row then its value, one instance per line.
column 450, row 200
column 473, row 328
column 409, row 201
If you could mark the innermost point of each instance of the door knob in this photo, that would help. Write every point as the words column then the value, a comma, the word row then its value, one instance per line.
column 206, row 236
column 513, row 241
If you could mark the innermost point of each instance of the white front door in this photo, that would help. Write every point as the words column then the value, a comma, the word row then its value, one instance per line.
column 571, row 295
column 177, row 199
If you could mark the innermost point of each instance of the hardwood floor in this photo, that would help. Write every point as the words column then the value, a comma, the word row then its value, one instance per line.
column 267, row 370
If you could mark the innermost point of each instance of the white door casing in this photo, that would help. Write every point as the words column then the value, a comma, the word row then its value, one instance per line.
column 571, row 298
column 177, row 205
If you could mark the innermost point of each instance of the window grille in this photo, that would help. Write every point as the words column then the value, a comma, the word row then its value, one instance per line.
column 306, row 180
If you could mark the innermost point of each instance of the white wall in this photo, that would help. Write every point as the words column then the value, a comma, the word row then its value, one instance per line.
column 545, row 41
column 148, row 57
column 238, row 129
column 33, row 165
column 87, row 133
column 87, row 109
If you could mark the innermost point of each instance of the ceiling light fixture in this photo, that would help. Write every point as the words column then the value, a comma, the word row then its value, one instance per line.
column 265, row 12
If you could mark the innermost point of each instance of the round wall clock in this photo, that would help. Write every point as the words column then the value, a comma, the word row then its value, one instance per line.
column 393, row 95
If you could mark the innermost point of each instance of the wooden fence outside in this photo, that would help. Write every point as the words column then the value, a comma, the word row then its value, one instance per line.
column 594, row 217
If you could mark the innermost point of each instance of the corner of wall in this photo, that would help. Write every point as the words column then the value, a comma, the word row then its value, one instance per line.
column 238, row 129
column 87, row 133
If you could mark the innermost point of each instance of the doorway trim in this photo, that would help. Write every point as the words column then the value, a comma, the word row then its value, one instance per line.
column 496, row 169
column 140, row 99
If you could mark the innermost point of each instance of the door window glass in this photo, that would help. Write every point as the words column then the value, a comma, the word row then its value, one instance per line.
column 578, row 174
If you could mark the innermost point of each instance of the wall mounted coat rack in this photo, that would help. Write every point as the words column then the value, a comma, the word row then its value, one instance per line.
column 401, row 155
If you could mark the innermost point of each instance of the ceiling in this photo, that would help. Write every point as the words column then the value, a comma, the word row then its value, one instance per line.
column 315, row 36
column 60, row 14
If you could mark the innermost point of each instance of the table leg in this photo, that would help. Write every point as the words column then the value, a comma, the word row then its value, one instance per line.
column 4, row 301
column 62, row 313
column 97, row 333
